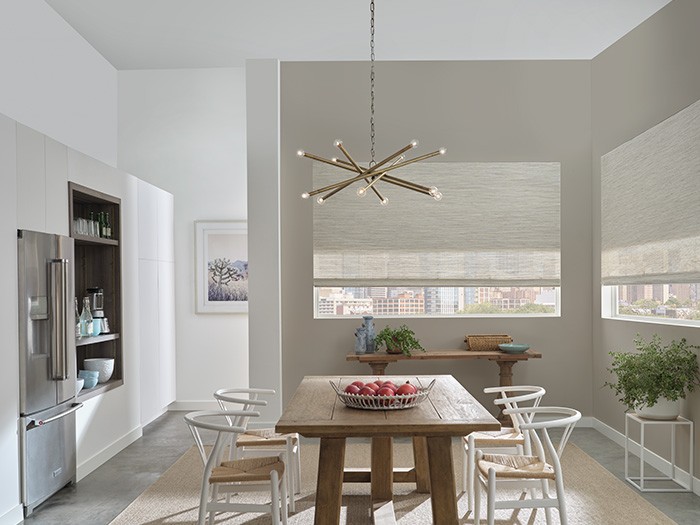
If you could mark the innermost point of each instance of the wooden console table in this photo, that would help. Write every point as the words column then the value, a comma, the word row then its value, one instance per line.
column 378, row 361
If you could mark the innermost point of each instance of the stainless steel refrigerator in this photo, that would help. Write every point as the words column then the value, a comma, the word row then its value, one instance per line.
column 46, row 364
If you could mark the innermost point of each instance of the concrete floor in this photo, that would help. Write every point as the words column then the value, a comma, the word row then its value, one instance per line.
column 101, row 496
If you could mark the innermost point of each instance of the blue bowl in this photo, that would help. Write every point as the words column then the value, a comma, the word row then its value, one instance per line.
column 90, row 377
column 513, row 348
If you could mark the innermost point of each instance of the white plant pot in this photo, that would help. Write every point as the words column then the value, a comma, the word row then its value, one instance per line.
column 664, row 409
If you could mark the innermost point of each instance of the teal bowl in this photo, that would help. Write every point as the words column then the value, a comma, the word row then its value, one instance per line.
column 513, row 348
column 90, row 377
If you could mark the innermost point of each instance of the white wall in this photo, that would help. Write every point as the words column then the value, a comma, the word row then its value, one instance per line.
column 54, row 82
column 10, row 508
column 184, row 131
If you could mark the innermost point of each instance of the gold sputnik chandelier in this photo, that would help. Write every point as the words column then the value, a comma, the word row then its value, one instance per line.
column 375, row 172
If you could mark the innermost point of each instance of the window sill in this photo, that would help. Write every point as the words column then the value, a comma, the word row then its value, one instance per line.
column 688, row 323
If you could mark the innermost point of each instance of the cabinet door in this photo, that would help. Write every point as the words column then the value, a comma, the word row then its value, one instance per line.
column 149, row 341
column 166, row 331
column 56, row 187
column 166, row 230
column 148, row 221
column 31, row 180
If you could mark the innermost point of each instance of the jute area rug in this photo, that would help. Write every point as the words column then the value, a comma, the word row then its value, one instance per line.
column 594, row 496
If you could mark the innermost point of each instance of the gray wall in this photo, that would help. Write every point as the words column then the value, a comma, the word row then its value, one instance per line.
column 644, row 78
column 480, row 111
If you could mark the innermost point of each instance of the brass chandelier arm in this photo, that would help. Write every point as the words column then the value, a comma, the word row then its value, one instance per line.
column 340, row 146
column 406, row 184
column 335, row 163
column 417, row 159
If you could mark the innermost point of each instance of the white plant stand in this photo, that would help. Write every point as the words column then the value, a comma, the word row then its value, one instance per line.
column 641, row 480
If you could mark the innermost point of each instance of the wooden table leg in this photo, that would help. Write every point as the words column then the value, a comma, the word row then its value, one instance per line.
column 329, row 484
column 420, row 460
column 442, row 481
column 382, row 479
column 505, row 376
column 378, row 368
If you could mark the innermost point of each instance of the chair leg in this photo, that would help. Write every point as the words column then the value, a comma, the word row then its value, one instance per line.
column 545, row 495
column 477, row 501
column 275, row 498
column 491, row 501
column 562, row 501
column 464, row 473
column 471, row 466
column 289, row 473
column 283, row 500
column 297, row 470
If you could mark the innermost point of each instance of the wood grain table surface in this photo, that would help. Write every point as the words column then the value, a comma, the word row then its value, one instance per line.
column 449, row 411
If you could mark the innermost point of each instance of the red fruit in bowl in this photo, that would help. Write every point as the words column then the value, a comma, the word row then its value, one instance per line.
column 406, row 389
column 385, row 391
column 392, row 386
column 367, row 391
column 373, row 386
column 358, row 384
column 352, row 389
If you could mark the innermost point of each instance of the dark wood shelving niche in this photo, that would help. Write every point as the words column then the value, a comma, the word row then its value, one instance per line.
column 98, row 264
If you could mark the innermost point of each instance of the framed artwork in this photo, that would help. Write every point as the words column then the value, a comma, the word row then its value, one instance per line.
column 221, row 267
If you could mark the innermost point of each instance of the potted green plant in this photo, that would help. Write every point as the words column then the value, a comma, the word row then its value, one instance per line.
column 652, row 380
column 398, row 340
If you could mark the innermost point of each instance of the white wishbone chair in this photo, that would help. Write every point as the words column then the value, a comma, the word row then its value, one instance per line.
column 238, row 475
column 528, row 471
column 508, row 440
column 255, row 442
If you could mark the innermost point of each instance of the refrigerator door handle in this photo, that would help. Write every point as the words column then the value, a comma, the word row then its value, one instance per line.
column 57, row 301
column 33, row 423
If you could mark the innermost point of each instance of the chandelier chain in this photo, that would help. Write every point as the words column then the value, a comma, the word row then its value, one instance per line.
column 371, row 82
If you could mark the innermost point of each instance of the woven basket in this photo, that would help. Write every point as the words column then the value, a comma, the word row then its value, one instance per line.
column 486, row 342
column 383, row 402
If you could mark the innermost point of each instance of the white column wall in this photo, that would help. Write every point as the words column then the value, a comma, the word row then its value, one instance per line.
column 184, row 131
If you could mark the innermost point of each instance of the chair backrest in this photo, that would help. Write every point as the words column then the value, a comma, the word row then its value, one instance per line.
column 221, row 422
column 538, row 431
column 245, row 398
column 517, row 396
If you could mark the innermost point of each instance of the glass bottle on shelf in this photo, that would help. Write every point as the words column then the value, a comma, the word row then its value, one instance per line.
column 86, row 319
column 101, row 224
column 91, row 225
column 108, row 226
column 77, row 318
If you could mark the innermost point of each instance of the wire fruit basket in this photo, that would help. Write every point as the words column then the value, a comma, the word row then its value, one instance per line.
column 383, row 402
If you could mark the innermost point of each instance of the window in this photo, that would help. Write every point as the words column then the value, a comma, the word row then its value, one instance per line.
column 491, row 246
column 650, row 235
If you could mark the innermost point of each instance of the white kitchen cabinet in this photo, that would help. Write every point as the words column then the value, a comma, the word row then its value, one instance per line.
column 157, row 300
column 31, row 180
column 56, row 162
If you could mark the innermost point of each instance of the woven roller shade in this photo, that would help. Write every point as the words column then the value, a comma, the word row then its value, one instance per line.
column 650, row 191
column 497, row 225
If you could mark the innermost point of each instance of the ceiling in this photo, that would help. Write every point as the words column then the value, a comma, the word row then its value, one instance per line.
column 162, row 34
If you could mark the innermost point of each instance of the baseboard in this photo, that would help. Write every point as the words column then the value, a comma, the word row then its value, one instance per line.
column 13, row 516
column 653, row 459
column 107, row 453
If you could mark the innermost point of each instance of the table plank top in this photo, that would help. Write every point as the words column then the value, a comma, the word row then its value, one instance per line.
column 450, row 410
column 496, row 355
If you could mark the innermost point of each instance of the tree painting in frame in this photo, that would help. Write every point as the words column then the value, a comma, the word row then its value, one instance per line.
column 221, row 249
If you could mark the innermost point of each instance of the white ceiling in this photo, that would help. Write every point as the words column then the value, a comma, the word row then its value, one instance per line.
column 156, row 34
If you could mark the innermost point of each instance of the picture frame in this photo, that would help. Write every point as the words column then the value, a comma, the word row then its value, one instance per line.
column 221, row 267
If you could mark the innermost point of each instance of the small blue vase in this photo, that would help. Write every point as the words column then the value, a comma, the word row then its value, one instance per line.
column 360, row 341
column 369, row 328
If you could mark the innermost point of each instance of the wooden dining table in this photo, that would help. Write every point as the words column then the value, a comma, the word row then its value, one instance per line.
column 449, row 411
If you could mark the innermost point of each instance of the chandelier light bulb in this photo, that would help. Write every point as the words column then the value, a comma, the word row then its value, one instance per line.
column 384, row 201
column 300, row 153
column 437, row 196
column 337, row 143
column 320, row 200
column 414, row 143
column 305, row 195
column 433, row 190
column 442, row 151
column 361, row 192
column 334, row 159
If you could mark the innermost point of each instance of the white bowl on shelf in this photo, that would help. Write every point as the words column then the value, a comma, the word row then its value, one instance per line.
column 79, row 382
column 103, row 365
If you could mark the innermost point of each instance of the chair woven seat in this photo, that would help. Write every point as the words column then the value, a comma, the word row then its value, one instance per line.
column 248, row 469
column 516, row 467
column 505, row 437
column 266, row 437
